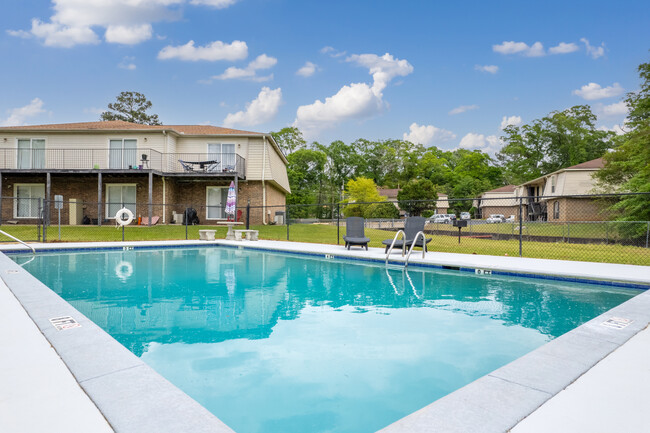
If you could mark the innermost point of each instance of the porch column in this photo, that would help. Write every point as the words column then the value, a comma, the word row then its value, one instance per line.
column 99, row 199
column 150, row 197
column 0, row 198
column 48, row 192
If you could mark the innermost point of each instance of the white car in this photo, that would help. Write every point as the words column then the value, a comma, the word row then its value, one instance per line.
column 495, row 218
column 465, row 216
column 440, row 219
column 510, row 219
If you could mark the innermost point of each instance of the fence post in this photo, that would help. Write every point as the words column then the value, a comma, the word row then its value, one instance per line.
column 521, row 225
column 248, row 214
column 338, row 224
column 38, row 220
column 568, row 232
column 647, row 235
column 45, row 212
column 286, row 215
column 186, row 238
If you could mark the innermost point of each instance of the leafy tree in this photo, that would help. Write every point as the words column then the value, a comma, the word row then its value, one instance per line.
column 306, row 171
column 627, row 167
column 382, row 210
column 421, row 189
column 289, row 139
column 559, row 140
column 362, row 190
column 131, row 107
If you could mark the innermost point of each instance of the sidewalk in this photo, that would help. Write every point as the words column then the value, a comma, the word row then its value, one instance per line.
column 37, row 391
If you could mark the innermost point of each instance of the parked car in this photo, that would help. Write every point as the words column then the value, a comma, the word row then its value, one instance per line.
column 440, row 219
column 510, row 219
column 495, row 218
column 452, row 216
column 465, row 216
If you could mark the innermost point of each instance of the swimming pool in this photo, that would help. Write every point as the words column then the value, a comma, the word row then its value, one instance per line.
column 275, row 342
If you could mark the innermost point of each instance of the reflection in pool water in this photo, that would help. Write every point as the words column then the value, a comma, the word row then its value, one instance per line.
column 284, row 343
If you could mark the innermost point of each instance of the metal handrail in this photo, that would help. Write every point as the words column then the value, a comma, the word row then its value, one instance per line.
column 18, row 240
column 393, row 244
column 424, row 246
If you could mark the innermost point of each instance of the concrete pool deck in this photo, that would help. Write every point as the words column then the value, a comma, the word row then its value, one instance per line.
column 586, row 361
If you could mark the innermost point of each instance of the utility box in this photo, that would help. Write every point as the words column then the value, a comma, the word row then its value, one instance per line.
column 76, row 211
column 279, row 218
column 178, row 218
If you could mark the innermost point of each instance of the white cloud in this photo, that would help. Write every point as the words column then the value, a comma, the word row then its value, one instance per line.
column 563, row 48
column 57, row 35
column 512, row 120
column 427, row 134
column 612, row 110
column 463, row 108
column 491, row 69
column 128, row 35
column 18, row 116
column 127, row 63
column 250, row 72
column 332, row 52
column 490, row 144
column 217, row 4
column 617, row 129
column 512, row 47
column 594, row 91
column 356, row 100
column 594, row 52
column 259, row 110
column 217, row 50
column 75, row 22
column 307, row 70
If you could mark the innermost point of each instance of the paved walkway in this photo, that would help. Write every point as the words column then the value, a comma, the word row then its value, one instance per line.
column 613, row 396
column 38, row 392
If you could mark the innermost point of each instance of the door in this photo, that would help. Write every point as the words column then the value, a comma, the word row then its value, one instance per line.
column 216, row 202
column 122, row 154
column 118, row 196
column 31, row 153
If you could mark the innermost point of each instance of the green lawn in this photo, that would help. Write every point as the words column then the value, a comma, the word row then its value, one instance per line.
column 321, row 233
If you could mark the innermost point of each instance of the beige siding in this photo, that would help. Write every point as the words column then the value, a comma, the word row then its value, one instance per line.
column 578, row 182
column 254, row 159
column 200, row 144
column 278, row 168
column 171, row 143
column 498, row 199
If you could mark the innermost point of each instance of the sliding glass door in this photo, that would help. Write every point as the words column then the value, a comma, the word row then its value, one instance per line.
column 122, row 154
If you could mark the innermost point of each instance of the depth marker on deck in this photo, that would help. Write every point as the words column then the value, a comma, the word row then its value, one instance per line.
column 616, row 323
column 64, row 322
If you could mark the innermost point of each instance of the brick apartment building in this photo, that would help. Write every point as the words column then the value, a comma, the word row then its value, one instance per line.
column 154, row 170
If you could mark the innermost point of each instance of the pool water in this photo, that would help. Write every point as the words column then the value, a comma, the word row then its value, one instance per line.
column 272, row 342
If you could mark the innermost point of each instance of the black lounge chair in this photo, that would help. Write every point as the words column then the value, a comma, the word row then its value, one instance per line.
column 354, row 234
column 412, row 226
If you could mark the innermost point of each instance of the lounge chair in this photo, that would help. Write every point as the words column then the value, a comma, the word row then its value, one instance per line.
column 187, row 166
column 412, row 226
column 354, row 233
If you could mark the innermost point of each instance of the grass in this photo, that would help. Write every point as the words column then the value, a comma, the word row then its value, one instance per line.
column 321, row 233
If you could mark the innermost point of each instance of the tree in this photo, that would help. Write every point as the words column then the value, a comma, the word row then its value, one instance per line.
column 559, row 140
column 382, row 210
column 289, row 139
column 306, row 172
column 362, row 190
column 422, row 189
column 627, row 167
column 131, row 107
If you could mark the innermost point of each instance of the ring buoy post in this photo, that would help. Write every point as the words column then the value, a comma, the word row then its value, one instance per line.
column 120, row 219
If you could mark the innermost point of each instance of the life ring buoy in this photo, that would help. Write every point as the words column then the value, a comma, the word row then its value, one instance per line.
column 119, row 217
column 124, row 270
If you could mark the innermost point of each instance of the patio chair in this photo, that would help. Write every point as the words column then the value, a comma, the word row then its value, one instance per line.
column 412, row 226
column 354, row 234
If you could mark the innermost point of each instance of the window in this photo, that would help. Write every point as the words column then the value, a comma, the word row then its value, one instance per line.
column 30, row 153
column 27, row 202
column 216, row 202
column 122, row 153
column 553, row 184
column 556, row 210
column 118, row 196
column 224, row 154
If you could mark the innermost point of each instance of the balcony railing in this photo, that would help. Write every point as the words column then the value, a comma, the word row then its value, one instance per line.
column 122, row 159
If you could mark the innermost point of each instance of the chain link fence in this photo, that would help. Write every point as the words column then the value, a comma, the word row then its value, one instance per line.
column 582, row 227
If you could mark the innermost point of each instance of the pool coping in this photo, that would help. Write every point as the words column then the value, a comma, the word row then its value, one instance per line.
column 496, row 402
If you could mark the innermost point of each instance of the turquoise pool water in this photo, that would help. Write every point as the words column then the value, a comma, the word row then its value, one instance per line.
column 285, row 343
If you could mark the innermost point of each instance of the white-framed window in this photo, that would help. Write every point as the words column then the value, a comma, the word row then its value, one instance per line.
column 223, row 154
column 556, row 210
column 552, row 184
column 120, row 195
column 28, row 195
column 122, row 153
column 215, row 201
column 30, row 153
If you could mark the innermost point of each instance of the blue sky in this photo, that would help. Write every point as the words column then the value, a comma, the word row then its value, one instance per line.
column 448, row 74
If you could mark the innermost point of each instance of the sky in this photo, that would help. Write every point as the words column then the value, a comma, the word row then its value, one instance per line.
column 449, row 74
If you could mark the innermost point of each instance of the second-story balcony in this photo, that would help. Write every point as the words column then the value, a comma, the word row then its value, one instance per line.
column 90, row 160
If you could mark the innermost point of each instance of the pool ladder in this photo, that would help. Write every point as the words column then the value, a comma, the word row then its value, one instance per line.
column 415, row 240
column 19, row 241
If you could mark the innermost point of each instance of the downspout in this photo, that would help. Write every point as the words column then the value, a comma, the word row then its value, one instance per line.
column 164, row 197
column 263, row 183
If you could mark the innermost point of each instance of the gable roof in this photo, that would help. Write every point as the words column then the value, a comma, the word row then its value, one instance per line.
column 597, row 163
column 507, row 188
column 120, row 125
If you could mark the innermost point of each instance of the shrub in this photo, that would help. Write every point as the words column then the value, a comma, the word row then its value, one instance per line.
column 381, row 210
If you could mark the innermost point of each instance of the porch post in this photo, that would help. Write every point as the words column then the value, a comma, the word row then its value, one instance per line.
column 99, row 199
column 236, row 194
column 0, row 198
column 150, row 197
column 48, row 192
